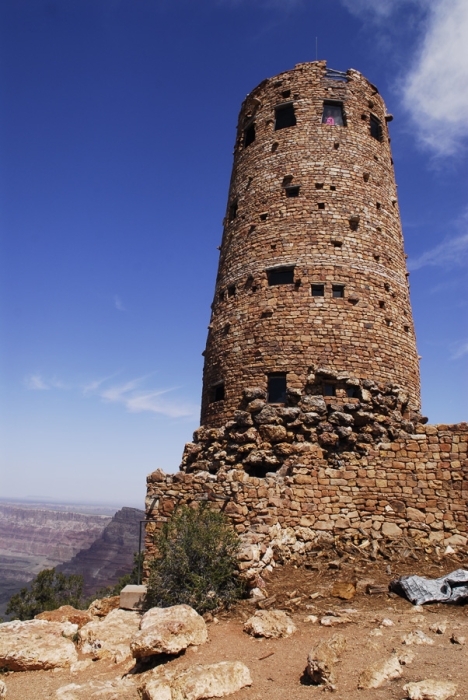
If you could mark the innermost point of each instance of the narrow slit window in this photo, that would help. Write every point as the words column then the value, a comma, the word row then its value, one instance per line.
column 376, row 128
column 249, row 135
column 277, row 388
column 333, row 114
column 280, row 275
column 318, row 290
column 233, row 210
column 338, row 291
column 284, row 117
column 217, row 392
column 292, row 191
column 231, row 291
column 329, row 390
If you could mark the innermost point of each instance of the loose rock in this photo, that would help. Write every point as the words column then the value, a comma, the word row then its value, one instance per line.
column 168, row 631
column 430, row 690
column 378, row 673
column 323, row 658
column 118, row 689
column 196, row 682
column 271, row 624
column 36, row 645
column 3, row 690
column 417, row 637
column 345, row 591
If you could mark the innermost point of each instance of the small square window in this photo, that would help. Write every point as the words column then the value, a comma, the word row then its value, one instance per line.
column 333, row 114
column 231, row 291
column 319, row 185
column 329, row 390
column 284, row 117
column 286, row 94
column 376, row 128
column 352, row 392
column 318, row 290
column 321, row 205
column 292, row 191
column 333, row 187
column 338, row 291
column 249, row 135
column 217, row 392
column 277, row 388
column 280, row 275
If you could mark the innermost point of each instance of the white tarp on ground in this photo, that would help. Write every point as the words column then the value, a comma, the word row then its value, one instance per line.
column 452, row 588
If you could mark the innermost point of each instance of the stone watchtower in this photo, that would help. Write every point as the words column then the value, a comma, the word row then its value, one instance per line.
column 312, row 270
column 310, row 411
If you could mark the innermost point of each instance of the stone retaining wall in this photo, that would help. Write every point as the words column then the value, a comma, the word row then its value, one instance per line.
column 415, row 486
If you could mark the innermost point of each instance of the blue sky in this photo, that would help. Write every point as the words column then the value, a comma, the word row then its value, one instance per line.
column 116, row 133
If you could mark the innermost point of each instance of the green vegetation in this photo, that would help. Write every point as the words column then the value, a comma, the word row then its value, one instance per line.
column 197, row 562
column 48, row 591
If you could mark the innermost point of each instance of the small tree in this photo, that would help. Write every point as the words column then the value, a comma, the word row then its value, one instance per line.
column 48, row 591
column 197, row 562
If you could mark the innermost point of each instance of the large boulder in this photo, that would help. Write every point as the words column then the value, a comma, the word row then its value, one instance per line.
column 196, row 682
column 36, row 645
column 66, row 613
column 323, row 658
column 272, row 624
column 110, row 637
column 118, row 689
column 168, row 631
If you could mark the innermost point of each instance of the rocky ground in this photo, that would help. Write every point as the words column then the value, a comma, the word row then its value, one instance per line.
column 375, row 629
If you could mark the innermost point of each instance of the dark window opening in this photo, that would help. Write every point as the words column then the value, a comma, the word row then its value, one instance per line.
column 377, row 257
column 333, row 187
column 231, row 291
column 280, row 275
column 249, row 135
column 287, row 179
column 376, row 128
column 286, row 93
column 338, row 291
column 329, row 390
column 321, row 205
column 217, row 393
column 284, row 117
column 386, row 286
column 336, row 145
column 233, row 210
column 333, row 114
column 352, row 392
column 274, row 146
column 319, row 185
column 292, row 191
column 263, row 217
column 406, row 328
column 382, row 304
column 318, row 290
column 378, row 205
column 221, row 295
column 337, row 244
column 277, row 388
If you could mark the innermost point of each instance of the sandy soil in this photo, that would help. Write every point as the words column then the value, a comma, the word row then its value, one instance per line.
column 277, row 666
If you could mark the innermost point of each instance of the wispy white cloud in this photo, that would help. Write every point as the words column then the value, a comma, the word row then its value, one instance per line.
column 377, row 9
column 137, row 400
column 35, row 382
column 436, row 89
column 94, row 385
column 461, row 350
column 118, row 303
column 452, row 252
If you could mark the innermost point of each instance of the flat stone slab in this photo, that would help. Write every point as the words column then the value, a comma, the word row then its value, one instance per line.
column 132, row 597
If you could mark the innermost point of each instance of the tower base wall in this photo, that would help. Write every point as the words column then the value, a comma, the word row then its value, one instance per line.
column 415, row 486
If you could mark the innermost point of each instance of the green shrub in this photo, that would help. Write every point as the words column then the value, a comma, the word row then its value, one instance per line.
column 48, row 591
column 197, row 562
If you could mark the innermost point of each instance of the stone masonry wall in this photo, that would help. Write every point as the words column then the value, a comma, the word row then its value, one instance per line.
column 416, row 485
column 342, row 228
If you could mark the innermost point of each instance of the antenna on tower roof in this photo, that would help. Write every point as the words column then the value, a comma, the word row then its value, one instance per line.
column 316, row 48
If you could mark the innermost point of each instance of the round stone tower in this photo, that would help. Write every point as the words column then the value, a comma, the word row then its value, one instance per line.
column 312, row 292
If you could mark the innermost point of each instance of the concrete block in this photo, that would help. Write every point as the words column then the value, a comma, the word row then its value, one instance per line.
column 132, row 597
